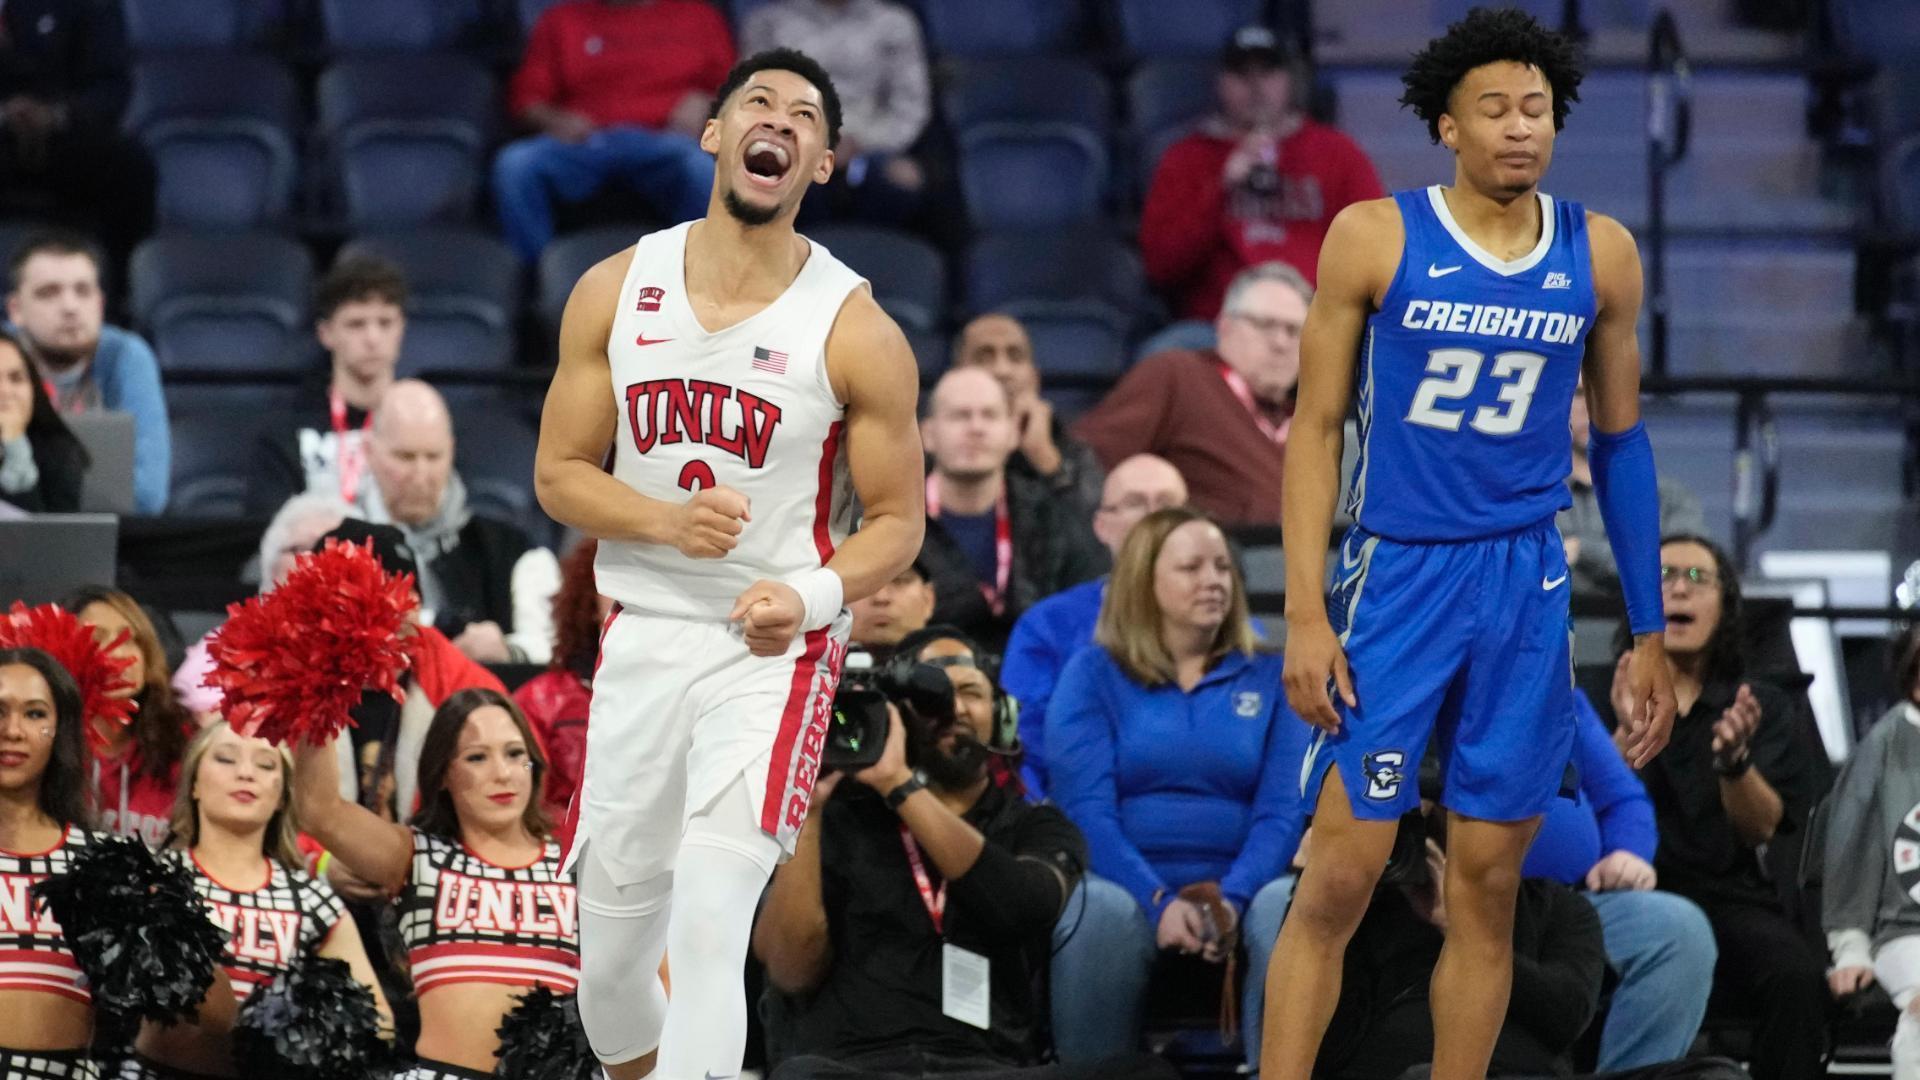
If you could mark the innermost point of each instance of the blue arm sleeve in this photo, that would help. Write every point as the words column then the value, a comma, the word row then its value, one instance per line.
column 1618, row 798
column 132, row 385
column 1279, row 812
column 1629, row 497
column 1080, row 733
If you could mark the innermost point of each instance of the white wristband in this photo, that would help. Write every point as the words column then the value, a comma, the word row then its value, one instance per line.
column 822, row 593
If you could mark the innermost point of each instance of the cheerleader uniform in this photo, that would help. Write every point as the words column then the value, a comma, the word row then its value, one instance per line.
column 467, row 920
column 34, row 956
column 268, row 929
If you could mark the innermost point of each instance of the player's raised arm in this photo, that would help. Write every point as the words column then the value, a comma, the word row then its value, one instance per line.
column 577, row 426
column 1623, row 479
column 1350, row 280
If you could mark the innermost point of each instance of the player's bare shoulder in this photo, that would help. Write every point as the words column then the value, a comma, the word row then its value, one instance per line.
column 595, row 299
column 1362, row 250
column 866, row 346
column 1616, row 263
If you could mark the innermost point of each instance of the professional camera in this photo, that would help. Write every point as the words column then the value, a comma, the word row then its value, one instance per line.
column 857, row 730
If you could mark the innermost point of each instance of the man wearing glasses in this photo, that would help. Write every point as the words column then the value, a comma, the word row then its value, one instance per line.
column 1221, row 416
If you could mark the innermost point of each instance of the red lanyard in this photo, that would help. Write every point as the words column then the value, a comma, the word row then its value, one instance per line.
column 1238, row 384
column 936, row 901
column 995, row 593
column 351, row 454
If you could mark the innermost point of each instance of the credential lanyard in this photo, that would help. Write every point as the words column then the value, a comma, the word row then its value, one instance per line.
column 1238, row 384
column 352, row 459
column 936, row 900
column 995, row 593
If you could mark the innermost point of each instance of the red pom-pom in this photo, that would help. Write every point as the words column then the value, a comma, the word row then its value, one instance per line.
column 100, row 674
column 292, row 664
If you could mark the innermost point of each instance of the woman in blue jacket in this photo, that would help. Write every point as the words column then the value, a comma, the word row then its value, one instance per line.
column 1171, row 745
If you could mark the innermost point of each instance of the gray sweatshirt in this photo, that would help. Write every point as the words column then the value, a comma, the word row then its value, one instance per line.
column 1872, row 890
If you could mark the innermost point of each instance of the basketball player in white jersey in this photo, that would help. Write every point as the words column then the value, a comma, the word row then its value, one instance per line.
column 747, row 386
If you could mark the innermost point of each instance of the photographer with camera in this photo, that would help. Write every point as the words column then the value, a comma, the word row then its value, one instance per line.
column 906, row 936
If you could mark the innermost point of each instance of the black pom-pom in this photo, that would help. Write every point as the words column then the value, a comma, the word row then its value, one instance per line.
column 312, row 1022
column 541, row 1039
column 138, row 929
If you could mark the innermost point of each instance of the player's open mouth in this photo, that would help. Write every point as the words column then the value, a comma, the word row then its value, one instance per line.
column 766, row 162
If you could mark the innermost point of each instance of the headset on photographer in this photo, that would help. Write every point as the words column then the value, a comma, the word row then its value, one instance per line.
column 1003, row 738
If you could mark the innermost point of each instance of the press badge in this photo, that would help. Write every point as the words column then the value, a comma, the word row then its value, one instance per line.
column 965, row 985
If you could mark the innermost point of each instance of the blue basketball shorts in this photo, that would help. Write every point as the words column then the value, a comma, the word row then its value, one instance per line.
column 1467, row 645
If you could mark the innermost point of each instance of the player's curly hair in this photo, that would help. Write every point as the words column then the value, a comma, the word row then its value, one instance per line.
column 785, row 59
column 1486, row 36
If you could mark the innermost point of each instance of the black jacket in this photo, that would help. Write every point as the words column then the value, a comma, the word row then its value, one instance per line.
column 1384, row 1023
column 62, row 462
column 1053, row 548
column 478, row 575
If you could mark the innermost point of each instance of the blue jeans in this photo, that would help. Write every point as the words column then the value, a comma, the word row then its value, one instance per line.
column 530, row 175
column 1661, row 945
column 1103, row 955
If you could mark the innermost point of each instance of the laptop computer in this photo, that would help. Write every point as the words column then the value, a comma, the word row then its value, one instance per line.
column 107, row 487
column 47, row 556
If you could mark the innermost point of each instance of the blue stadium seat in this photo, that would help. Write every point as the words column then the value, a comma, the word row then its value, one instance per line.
column 1013, row 89
column 495, row 460
column 209, row 475
column 232, row 302
column 1000, row 27
column 221, row 128
column 1032, row 175
column 1189, row 28
column 572, row 255
column 466, row 295
column 396, row 25
column 1901, row 184
column 1883, row 30
column 407, row 136
column 1078, row 293
column 1166, row 98
column 908, row 275
column 162, row 25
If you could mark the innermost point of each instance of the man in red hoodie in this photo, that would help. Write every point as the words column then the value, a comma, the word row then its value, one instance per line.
column 1258, row 182
column 614, row 91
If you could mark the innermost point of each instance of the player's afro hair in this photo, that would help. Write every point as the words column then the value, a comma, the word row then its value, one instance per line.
column 784, row 59
column 1486, row 36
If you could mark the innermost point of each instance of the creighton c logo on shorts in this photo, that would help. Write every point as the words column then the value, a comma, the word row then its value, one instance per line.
column 1385, row 770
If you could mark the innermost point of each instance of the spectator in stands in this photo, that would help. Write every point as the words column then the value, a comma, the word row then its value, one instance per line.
column 921, row 864
column 41, row 462
column 1871, row 918
column 1047, row 452
column 1221, row 417
column 997, row 542
column 614, row 91
column 893, row 611
column 1054, row 630
column 134, row 777
column 1737, row 777
column 57, row 308
column 1658, row 943
column 1589, row 552
column 1173, row 749
column 360, row 319
column 873, row 51
column 63, row 85
column 557, row 700
column 296, row 529
column 1259, row 182
column 468, row 563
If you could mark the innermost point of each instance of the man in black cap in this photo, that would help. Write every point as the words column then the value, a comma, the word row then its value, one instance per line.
column 1255, row 183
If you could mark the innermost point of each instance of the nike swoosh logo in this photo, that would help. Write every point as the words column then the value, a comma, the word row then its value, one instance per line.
column 645, row 340
column 1550, row 584
column 1435, row 270
column 729, row 1076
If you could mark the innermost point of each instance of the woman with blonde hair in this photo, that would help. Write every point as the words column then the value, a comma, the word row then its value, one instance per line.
column 1171, row 745
column 233, row 830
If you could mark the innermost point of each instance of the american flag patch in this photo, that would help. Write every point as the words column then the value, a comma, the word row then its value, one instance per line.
column 774, row 363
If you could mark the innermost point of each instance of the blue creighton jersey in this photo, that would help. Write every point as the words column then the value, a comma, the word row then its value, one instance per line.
column 1466, row 379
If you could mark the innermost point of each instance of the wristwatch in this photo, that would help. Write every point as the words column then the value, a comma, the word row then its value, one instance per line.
column 907, row 787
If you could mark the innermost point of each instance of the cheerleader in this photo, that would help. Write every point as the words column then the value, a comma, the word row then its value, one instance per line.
column 46, row 1013
column 233, row 828
column 483, row 907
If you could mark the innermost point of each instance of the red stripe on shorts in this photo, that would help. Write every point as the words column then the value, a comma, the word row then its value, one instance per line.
column 823, row 493
column 792, row 719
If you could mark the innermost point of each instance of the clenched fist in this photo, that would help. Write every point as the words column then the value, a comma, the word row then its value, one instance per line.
column 708, row 525
column 769, row 613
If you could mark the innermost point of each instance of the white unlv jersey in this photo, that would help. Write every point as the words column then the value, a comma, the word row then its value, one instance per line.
column 749, row 407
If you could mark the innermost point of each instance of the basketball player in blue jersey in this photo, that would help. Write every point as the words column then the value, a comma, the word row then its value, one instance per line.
column 1466, row 315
